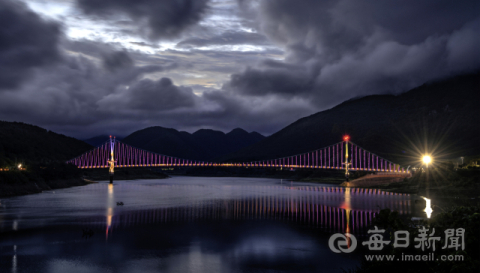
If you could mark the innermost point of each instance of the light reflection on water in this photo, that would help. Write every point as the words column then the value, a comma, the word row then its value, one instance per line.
column 188, row 224
column 324, row 207
column 428, row 207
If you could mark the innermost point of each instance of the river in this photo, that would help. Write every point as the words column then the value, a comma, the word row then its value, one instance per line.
column 187, row 224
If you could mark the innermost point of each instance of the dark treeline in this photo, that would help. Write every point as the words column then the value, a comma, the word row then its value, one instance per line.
column 40, row 154
column 29, row 144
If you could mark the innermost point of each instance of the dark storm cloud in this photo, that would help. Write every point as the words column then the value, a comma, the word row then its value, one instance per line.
column 335, row 27
column 95, row 87
column 108, row 53
column 26, row 42
column 222, row 62
column 117, row 60
column 411, row 22
column 226, row 38
column 87, row 47
column 350, row 48
column 282, row 80
column 68, row 92
column 161, row 18
column 60, row 88
column 147, row 95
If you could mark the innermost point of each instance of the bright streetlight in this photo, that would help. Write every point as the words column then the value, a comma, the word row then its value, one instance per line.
column 427, row 159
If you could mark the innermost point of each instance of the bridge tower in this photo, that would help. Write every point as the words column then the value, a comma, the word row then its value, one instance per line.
column 112, row 160
column 346, row 138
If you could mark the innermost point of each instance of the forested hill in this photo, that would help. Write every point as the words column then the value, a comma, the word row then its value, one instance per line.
column 20, row 142
column 204, row 144
column 441, row 117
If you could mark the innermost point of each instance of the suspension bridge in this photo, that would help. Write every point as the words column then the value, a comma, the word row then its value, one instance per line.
column 344, row 155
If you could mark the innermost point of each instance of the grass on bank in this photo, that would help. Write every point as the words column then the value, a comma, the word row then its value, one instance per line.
column 443, row 180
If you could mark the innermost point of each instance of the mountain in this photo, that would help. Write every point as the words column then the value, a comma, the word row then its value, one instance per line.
column 20, row 142
column 99, row 140
column 440, row 117
column 204, row 144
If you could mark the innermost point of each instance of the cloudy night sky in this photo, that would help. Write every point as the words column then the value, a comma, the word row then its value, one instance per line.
column 90, row 67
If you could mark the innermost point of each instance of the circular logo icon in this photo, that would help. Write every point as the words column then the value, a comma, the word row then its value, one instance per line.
column 345, row 243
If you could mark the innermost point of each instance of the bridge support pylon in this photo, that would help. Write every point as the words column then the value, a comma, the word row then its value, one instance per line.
column 112, row 160
column 346, row 138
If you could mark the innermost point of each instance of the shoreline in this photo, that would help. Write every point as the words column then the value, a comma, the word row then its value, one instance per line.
column 27, row 187
column 34, row 187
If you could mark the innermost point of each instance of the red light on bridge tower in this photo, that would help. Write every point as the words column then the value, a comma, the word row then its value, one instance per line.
column 346, row 138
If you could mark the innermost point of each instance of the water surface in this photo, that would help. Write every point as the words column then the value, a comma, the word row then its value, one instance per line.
column 187, row 224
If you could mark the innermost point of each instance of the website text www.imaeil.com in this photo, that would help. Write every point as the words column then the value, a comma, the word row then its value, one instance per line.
column 418, row 257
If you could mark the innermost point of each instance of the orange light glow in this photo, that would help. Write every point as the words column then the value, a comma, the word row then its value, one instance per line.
column 346, row 138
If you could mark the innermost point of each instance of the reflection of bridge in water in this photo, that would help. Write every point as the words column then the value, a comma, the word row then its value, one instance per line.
column 332, row 209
